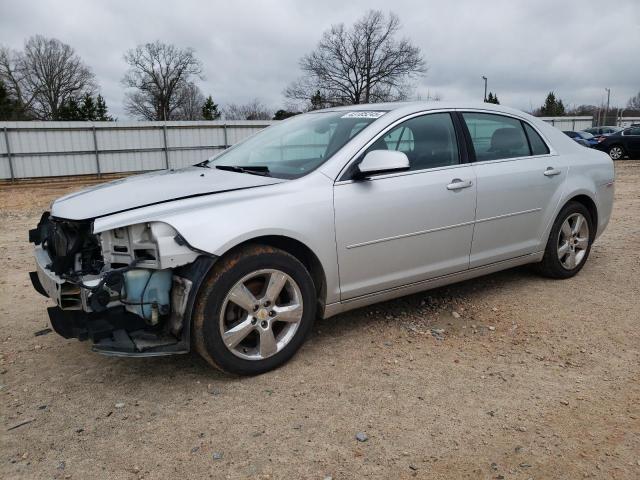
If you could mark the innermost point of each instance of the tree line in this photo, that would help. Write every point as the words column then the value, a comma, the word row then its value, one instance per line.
column 366, row 62
column 554, row 106
column 362, row 63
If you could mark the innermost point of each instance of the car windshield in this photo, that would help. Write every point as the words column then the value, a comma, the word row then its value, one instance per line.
column 296, row 146
column 585, row 135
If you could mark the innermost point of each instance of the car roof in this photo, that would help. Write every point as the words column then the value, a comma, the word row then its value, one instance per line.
column 424, row 105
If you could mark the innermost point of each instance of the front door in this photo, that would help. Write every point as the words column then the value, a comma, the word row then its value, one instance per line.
column 396, row 229
column 632, row 141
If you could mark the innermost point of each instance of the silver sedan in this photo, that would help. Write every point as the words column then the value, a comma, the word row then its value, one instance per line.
column 325, row 212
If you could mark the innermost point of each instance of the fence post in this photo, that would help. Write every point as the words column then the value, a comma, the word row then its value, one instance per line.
column 6, row 140
column 166, row 148
column 226, row 141
column 95, row 148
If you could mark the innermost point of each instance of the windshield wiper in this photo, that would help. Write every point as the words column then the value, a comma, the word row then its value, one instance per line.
column 251, row 169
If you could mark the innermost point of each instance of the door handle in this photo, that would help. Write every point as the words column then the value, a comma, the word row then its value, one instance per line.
column 457, row 184
column 550, row 172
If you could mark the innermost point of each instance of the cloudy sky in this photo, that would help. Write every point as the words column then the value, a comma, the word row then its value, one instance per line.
column 251, row 49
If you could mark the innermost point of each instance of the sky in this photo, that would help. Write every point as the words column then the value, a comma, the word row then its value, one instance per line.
column 251, row 49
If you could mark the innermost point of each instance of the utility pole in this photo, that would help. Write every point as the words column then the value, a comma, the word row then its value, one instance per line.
column 485, row 87
column 608, row 99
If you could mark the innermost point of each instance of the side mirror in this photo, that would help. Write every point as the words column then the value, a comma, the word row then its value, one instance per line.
column 382, row 161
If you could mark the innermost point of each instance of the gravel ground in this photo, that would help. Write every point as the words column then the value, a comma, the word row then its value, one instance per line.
column 530, row 378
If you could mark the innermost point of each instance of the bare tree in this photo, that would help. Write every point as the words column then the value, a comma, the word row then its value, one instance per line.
column 634, row 102
column 45, row 76
column 360, row 64
column 429, row 97
column 190, row 103
column 254, row 110
column 158, row 74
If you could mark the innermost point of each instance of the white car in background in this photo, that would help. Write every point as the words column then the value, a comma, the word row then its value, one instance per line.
column 322, row 213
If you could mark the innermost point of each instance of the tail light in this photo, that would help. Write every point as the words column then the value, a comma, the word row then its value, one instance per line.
column 601, row 139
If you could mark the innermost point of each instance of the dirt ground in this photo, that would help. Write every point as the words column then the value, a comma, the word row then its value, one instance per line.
column 530, row 379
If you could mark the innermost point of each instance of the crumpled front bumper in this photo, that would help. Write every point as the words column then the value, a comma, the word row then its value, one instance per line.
column 116, row 331
column 44, row 280
column 113, row 332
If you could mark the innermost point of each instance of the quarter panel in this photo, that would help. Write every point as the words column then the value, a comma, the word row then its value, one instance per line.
column 591, row 173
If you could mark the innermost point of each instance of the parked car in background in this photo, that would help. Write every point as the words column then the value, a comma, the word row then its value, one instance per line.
column 622, row 144
column 602, row 131
column 583, row 138
column 319, row 214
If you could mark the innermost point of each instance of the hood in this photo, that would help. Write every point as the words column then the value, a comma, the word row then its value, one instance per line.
column 152, row 188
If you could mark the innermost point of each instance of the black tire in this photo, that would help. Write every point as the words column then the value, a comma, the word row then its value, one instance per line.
column 551, row 266
column 613, row 152
column 225, row 273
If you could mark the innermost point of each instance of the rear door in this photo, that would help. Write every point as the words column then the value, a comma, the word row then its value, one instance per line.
column 400, row 228
column 518, row 186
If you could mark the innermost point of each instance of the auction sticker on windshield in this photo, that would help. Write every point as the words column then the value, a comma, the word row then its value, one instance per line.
column 363, row 114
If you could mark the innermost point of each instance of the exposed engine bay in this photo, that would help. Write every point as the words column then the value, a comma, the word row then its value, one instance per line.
column 127, row 289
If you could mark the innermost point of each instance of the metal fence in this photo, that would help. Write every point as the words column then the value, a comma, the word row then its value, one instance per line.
column 51, row 149
column 569, row 123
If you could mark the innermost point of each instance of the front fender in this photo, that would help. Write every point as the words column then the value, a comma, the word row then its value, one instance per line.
column 301, row 209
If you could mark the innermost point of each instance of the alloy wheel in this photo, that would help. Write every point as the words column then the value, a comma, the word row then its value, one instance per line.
column 261, row 314
column 573, row 241
column 616, row 153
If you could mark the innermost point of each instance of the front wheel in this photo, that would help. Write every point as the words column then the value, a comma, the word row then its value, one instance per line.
column 569, row 242
column 254, row 310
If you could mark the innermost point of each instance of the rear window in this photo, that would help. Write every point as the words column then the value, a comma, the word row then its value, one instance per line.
column 495, row 136
column 538, row 147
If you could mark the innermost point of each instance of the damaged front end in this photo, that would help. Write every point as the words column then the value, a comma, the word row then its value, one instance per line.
column 130, row 290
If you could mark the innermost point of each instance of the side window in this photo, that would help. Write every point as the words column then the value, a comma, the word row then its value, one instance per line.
column 538, row 147
column 400, row 139
column 495, row 136
column 633, row 131
column 429, row 141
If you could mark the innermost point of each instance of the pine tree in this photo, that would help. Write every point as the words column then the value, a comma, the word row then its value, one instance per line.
column 491, row 98
column 69, row 111
column 210, row 109
column 553, row 107
column 85, row 109
column 88, row 108
column 317, row 101
column 102, row 112
column 10, row 109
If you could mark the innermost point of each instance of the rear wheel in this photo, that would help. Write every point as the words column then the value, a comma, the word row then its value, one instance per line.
column 616, row 152
column 569, row 242
column 254, row 310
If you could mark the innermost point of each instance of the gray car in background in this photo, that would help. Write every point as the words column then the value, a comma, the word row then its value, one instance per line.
column 319, row 214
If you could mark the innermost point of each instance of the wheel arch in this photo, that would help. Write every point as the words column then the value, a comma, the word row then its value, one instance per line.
column 590, row 205
column 300, row 251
